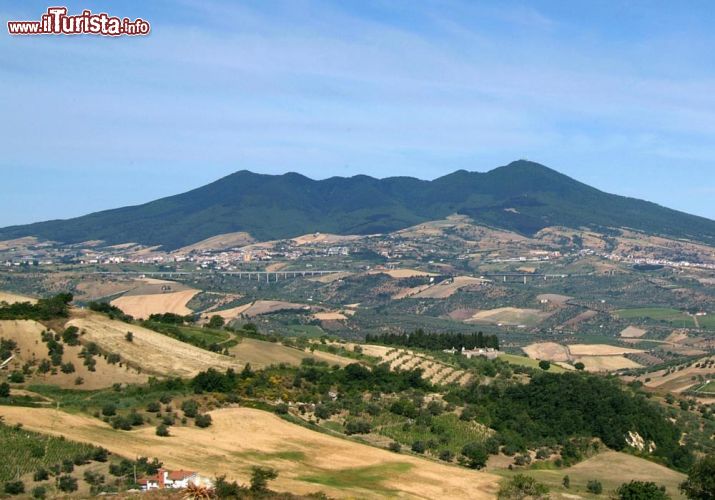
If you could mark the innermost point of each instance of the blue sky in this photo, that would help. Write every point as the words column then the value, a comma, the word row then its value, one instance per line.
column 620, row 95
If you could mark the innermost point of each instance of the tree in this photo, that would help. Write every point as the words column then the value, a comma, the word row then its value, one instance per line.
column 579, row 366
column 153, row 407
column 418, row 447
column 109, row 410
column 566, row 481
column 162, row 430
column 700, row 484
column 129, row 337
column 4, row 390
column 260, row 477
column 67, row 368
column 14, row 487
column 67, row 483
column 641, row 490
column 203, row 421
column 190, row 408
column 594, row 486
column 476, row 454
column 520, row 487
column 39, row 492
column 395, row 446
column 216, row 322
column 41, row 475
column 544, row 365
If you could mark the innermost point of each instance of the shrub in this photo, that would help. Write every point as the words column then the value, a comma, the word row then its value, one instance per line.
column 14, row 487
column 41, row 475
column 67, row 483
column 4, row 390
column 641, row 490
column 395, row 446
column 190, row 408
column 129, row 337
column 476, row 454
column 446, row 455
column 16, row 377
column 153, row 407
column 109, row 410
column 260, row 477
column 203, row 421
column 162, row 430
column 544, row 365
column 67, row 368
column 594, row 486
column 522, row 486
column 418, row 447
column 67, row 466
column 357, row 427
column 579, row 366
column 39, row 492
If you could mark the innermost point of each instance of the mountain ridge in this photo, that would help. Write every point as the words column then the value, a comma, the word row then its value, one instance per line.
column 522, row 196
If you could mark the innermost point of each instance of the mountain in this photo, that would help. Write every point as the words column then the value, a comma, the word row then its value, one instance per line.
column 522, row 196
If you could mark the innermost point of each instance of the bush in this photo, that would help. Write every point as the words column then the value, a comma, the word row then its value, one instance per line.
column 357, row 427
column 203, row 421
column 476, row 454
column 594, row 486
column 544, row 365
column 41, row 475
column 153, row 407
column 641, row 490
column 4, row 390
column 39, row 492
column 700, row 484
column 190, row 408
column 67, row 368
column 446, row 455
column 14, row 487
column 109, row 410
column 395, row 446
column 418, row 447
column 100, row 455
column 521, row 487
column 162, row 430
column 579, row 366
column 67, row 466
column 16, row 377
column 67, row 483
column 129, row 337
column 260, row 477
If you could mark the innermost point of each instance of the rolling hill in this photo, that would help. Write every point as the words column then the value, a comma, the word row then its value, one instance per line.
column 523, row 197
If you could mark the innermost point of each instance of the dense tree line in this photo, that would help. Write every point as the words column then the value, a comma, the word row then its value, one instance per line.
column 435, row 341
column 45, row 309
column 554, row 408
column 112, row 311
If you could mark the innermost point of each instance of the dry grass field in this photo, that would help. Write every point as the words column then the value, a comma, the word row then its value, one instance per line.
column 632, row 332
column 606, row 363
column 326, row 238
column 307, row 461
column 679, row 380
column 610, row 468
column 401, row 273
column 448, row 287
column 261, row 354
column 256, row 308
column 151, row 351
column 554, row 298
column 13, row 298
column 27, row 334
column 509, row 316
column 219, row 242
column 141, row 305
column 550, row 351
column 330, row 316
column 600, row 350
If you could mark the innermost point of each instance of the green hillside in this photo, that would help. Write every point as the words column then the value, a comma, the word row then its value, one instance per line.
column 522, row 196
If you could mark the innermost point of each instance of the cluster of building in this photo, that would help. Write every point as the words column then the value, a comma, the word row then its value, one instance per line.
column 483, row 352
column 173, row 479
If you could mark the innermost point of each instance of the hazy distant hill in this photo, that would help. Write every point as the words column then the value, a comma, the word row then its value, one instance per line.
column 522, row 196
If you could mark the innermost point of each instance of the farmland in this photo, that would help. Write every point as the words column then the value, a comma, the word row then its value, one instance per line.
column 243, row 437
column 674, row 317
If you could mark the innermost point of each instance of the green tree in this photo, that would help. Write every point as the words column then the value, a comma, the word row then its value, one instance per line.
column 544, row 365
column 129, row 337
column 162, row 430
column 4, row 390
column 521, row 487
column 67, row 483
column 14, row 487
column 641, row 490
column 579, row 366
column 700, row 484
column 594, row 486
column 216, row 322
column 566, row 481
column 260, row 477
column 476, row 454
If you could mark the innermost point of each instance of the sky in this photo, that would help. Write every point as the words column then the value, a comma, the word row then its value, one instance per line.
column 617, row 94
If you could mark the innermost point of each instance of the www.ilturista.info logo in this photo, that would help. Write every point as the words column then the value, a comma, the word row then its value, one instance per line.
column 57, row 22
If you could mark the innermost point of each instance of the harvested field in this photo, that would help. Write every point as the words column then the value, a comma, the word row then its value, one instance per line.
column 260, row 354
column 448, row 287
column 308, row 239
column 410, row 292
column 329, row 278
column 509, row 316
column 462, row 314
column 307, row 461
column 632, row 332
column 143, row 306
column 679, row 380
column 607, row 363
column 13, row 298
column 550, row 351
column 257, row 308
column 330, row 316
column 554, row 298
column 600, row 350
column 612, row 469
column 151, row 351
column 219, row 242
column 401, row 273
column 28, row 336
column 677, row 337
